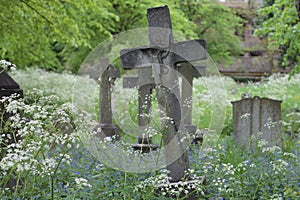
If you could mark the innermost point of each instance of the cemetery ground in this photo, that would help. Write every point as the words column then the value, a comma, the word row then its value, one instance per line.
column 50, row 162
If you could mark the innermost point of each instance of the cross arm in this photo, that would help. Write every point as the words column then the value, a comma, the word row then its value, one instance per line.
column 187, row 51
column 139, row 57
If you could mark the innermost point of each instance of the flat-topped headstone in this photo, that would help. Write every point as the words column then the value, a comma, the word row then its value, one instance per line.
column 162, row 54
column 105, row 74
column 256, row 115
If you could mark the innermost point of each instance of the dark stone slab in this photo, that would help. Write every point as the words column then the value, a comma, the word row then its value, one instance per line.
column 133, row 82
column 8, row 87
column 6, row 82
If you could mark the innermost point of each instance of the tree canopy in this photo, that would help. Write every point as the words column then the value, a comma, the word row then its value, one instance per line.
column 39, row 32
column 58, row 34
column 282, row 28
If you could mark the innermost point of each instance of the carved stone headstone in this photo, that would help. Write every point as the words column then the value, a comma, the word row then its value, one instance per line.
column 105, row 74
column 162, row 55
column 256, row 115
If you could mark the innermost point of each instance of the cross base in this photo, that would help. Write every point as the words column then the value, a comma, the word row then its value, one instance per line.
column 186, row 185
column 144, row 145
column 107, row 130
column 191, row 129
column 144, row 148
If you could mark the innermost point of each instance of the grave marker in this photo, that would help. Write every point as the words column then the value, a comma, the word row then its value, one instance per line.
column 256, row 115
column 145, row 84
column 162, row 54
column 8, row 87
column 105, row 74
column 189, row 72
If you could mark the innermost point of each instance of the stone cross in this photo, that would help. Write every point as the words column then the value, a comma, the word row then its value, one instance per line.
column 162, row 55
column 188, row 73
column 105, row 74
column 145, row 84
column 256, row 115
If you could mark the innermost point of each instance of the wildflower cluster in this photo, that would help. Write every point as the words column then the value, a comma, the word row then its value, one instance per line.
column 7, row 65
column 162, row 185
column 82, row 182
column 35, row 140
column 266, row 173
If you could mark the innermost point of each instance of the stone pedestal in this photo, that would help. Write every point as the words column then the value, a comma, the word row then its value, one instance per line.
column 144, row 145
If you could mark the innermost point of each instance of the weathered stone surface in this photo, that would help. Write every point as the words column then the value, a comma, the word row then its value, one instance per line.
column 162, row 55
column 105, row 74
column 145, row 84
column 256, row 115
column 177, row 52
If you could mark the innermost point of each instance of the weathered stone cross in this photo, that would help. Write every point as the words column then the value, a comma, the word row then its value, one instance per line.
column 188, row 73
column 162, row 55
column 145, row 84
column 104, row 74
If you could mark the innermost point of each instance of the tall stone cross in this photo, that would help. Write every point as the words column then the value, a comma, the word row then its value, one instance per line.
column 104, row 74
column 162, row 55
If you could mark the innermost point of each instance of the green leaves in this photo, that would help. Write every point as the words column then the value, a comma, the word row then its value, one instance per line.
column 30, row 29
column 283, row 31
column 58, row 34
column 216, row 24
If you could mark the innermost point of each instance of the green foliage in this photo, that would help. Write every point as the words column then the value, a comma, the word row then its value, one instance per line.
column 217, row 24
column 233, row 173
column 282, row 28
column 58, row 35
column 41, row 33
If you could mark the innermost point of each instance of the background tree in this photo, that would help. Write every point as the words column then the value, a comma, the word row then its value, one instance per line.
column 58, row 34
column 217, row 24
column 41, row 33
column 282, row 28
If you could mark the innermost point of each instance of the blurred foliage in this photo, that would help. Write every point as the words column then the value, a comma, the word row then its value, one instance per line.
column 45, row 33
column 58, row 34
column 281, row 26
column 217, row 24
